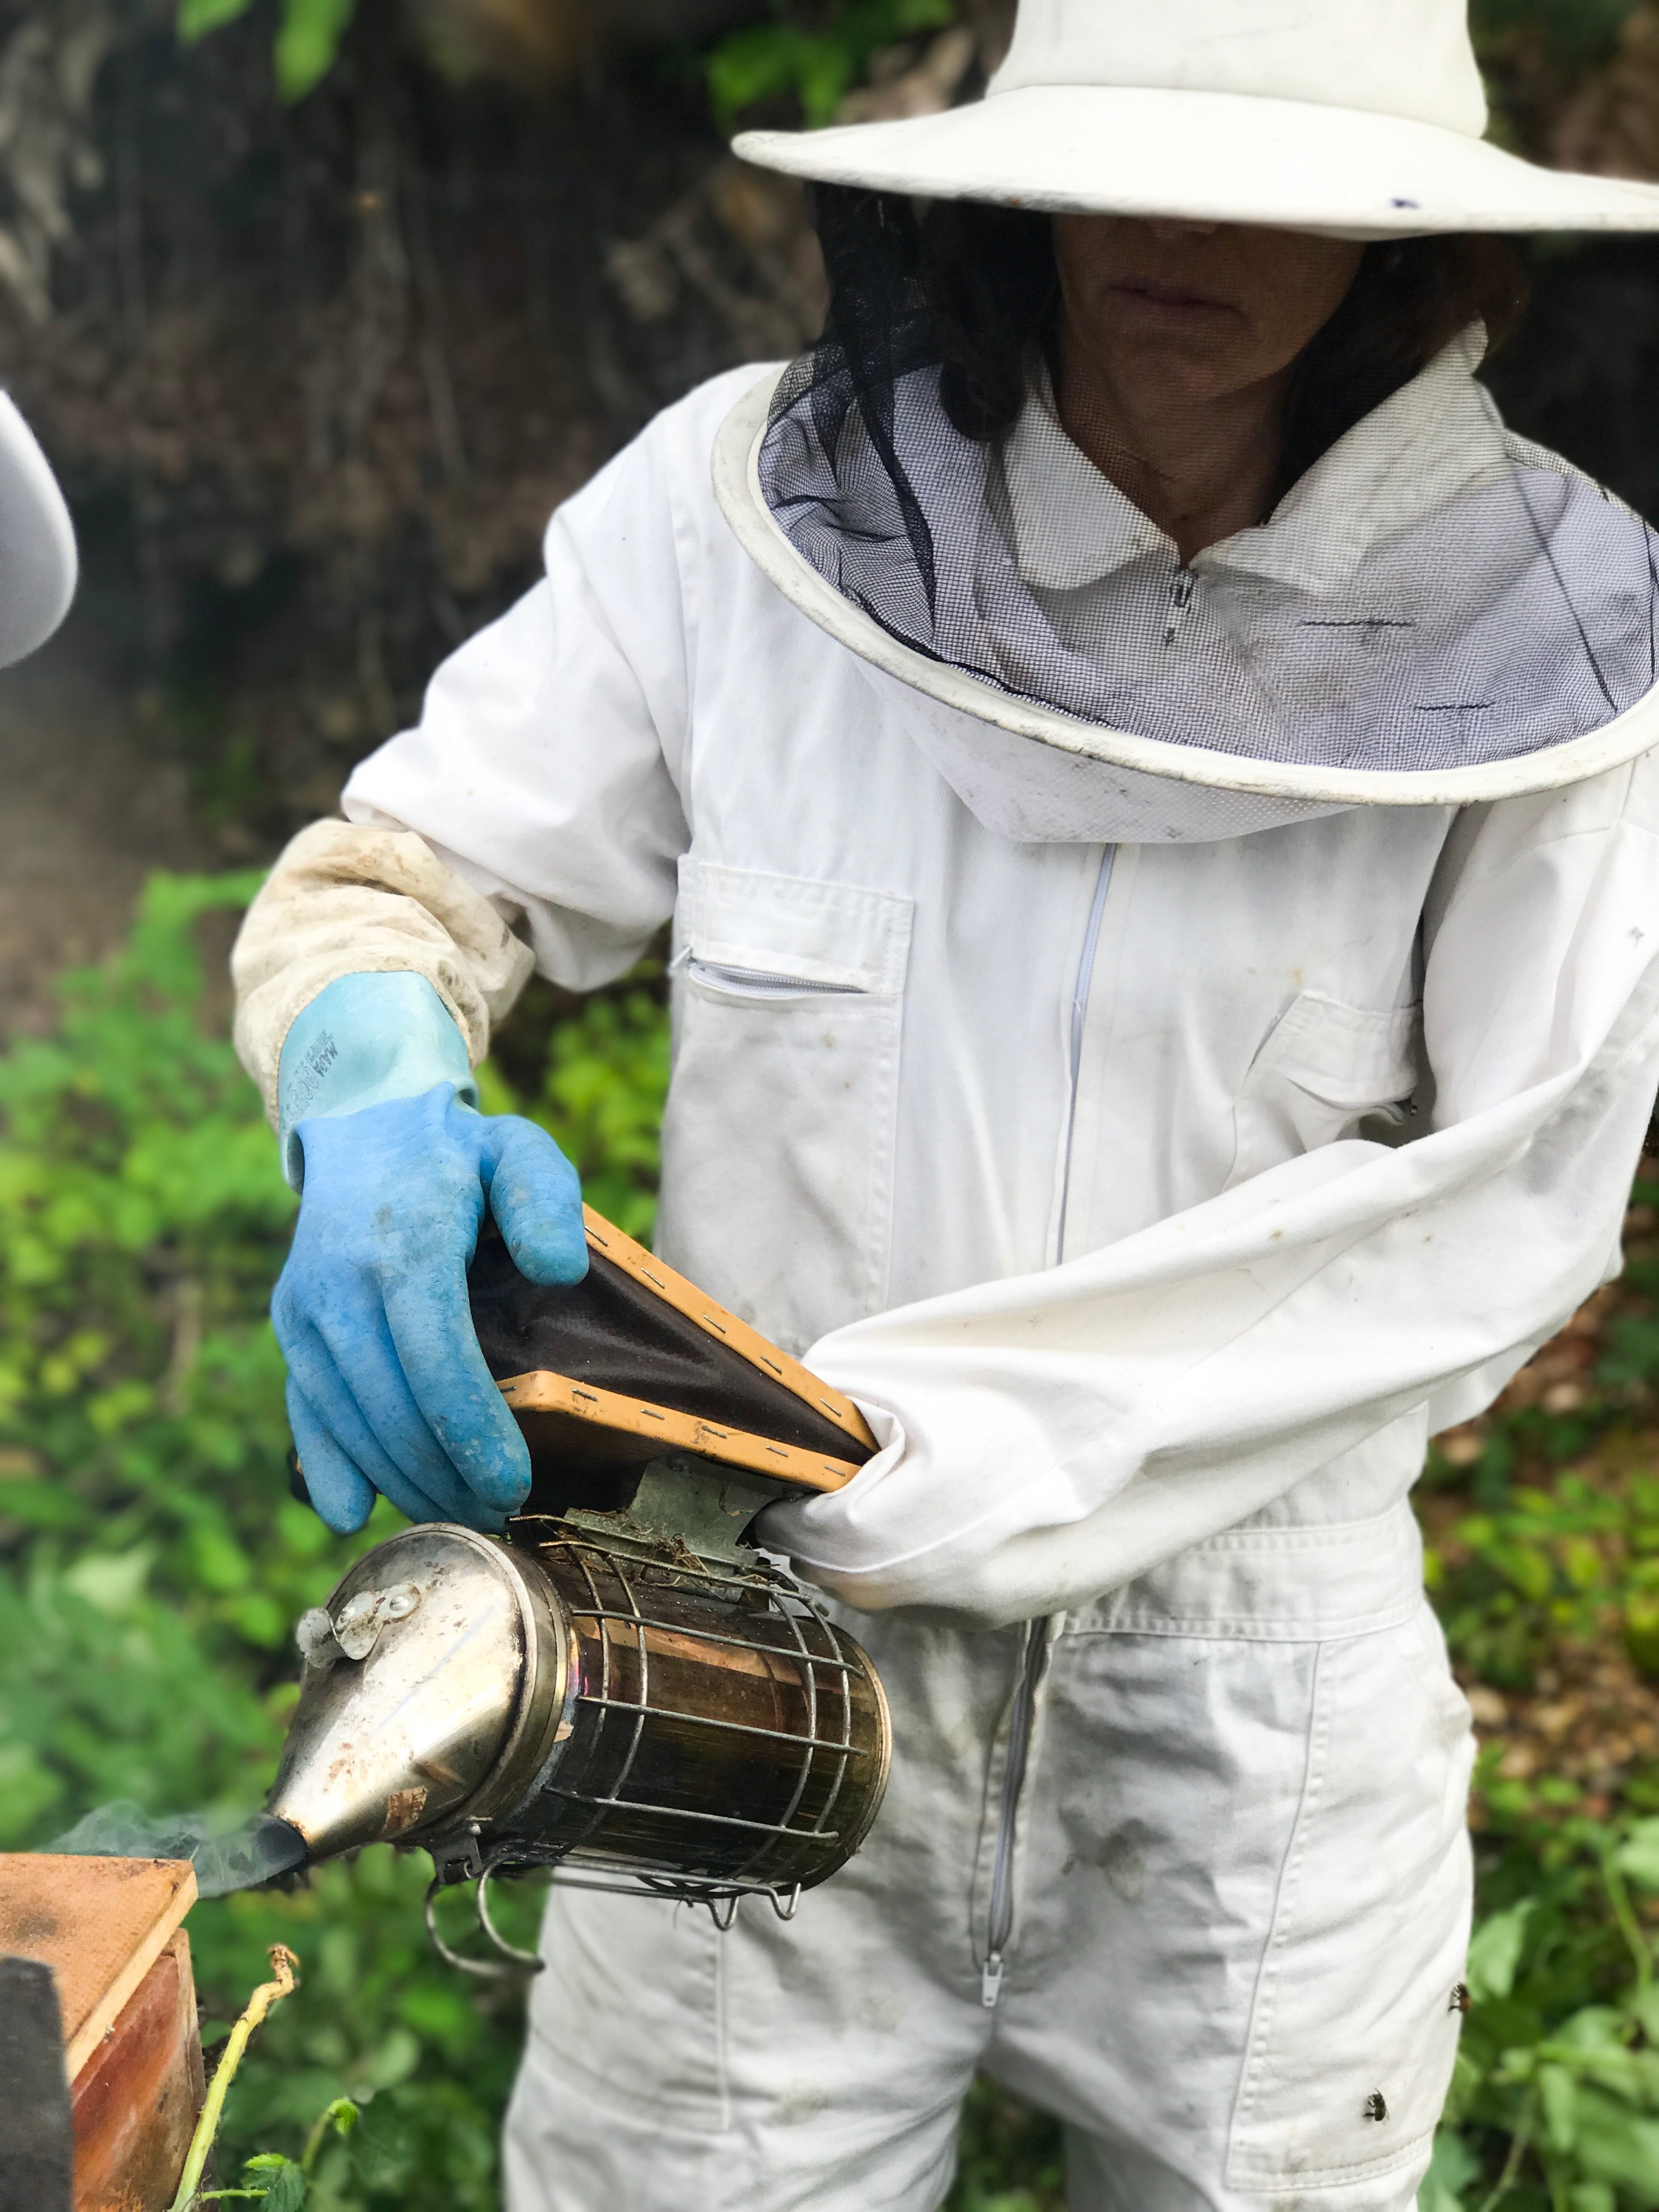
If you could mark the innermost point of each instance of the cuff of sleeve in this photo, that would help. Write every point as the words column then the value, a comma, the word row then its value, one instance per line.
column 814, row 1532
column 346, row 901
column 365, row 1038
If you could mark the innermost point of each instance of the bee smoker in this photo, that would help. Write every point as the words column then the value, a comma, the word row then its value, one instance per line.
column 625, row 1691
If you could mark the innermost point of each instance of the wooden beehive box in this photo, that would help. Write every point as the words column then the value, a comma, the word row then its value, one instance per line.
column 109, row 1930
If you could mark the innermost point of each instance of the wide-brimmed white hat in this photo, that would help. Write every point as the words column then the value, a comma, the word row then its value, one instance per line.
column 1358, row 117
column 37, row 541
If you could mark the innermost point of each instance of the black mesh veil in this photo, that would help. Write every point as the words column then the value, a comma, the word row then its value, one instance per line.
column 1432, row 592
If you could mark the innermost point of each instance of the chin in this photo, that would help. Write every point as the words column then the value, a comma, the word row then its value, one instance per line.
column 1182, row 366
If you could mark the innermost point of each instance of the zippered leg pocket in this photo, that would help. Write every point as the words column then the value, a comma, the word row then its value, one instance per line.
column 1352, row 2031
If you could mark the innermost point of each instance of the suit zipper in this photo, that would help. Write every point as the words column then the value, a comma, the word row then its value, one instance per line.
column 999, row 1925
column 1180, row 592
column 1080, row 988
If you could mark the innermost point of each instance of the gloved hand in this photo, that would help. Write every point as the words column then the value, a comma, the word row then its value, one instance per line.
column 387, row 1389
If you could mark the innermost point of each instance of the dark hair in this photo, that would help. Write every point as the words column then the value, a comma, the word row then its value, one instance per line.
column 989, row 286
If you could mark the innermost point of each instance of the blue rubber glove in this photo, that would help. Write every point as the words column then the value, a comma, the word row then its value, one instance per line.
column 387, row 1389
column 365, row 1038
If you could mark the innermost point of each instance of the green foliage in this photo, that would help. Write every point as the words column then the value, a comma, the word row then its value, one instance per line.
column 1544, row 1555
column 426, row 2056
column 308, row 35
column 197, row 18
column 280, row 2184
column 1562, row 1546
column 601, row 1096
column 1576, row 33
column 1556, row 2098
column 153, row 1557
column 1009, row 2159
column 152, row 1562
column 1562, row 1560
column 307, row 40
column 813, row 57
column 815, row 63
column 283, row 2185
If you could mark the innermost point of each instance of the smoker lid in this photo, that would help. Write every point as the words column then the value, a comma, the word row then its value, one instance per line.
column 634, row 1362
column 434, row 1688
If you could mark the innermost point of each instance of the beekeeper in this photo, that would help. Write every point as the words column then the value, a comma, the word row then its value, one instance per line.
column 1151, row 785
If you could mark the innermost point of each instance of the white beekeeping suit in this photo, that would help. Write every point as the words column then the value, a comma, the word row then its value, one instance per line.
column 1165, row 1036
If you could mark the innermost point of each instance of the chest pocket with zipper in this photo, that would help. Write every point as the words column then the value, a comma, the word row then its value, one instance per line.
column 1323, row 1067
column 779, row 1136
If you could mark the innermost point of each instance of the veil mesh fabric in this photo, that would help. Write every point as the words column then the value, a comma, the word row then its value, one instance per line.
column 1432, row 594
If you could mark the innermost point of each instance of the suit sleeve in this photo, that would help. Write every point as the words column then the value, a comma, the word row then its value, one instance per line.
column 1050, row 1437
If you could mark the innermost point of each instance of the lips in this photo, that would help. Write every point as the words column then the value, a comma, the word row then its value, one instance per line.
column 1178, row 297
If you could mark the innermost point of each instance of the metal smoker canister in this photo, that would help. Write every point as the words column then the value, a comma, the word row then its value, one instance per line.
column 627, row 1693
column 644, row 1717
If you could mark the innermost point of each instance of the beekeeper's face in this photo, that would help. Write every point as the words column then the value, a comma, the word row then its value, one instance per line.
column 1190, row 311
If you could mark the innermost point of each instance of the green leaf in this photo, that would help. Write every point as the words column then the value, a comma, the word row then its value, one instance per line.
column 1618, row 2147
column 1638, row 1855
column 111, row 1581
column 1644, row 2003
column 1495, row 1952
column 1557, row 2093
column 307, row 42
column 285, row 2185
column 338, row 2118
column 1451, row 2169
column 817, row 66
column 196, row 18
column 1593, row 2027
column 396, row 2058
column 1642, row 1630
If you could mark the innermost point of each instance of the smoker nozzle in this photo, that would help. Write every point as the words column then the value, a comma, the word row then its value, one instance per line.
column 433, row 1685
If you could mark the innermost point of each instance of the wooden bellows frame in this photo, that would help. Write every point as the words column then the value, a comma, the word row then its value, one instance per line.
column 702, row 1381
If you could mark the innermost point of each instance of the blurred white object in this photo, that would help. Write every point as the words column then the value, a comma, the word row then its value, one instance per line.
column 38, row 566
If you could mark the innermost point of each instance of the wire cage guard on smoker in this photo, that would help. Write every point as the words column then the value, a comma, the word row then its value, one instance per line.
column 626, row 1692
column 726, row 1739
